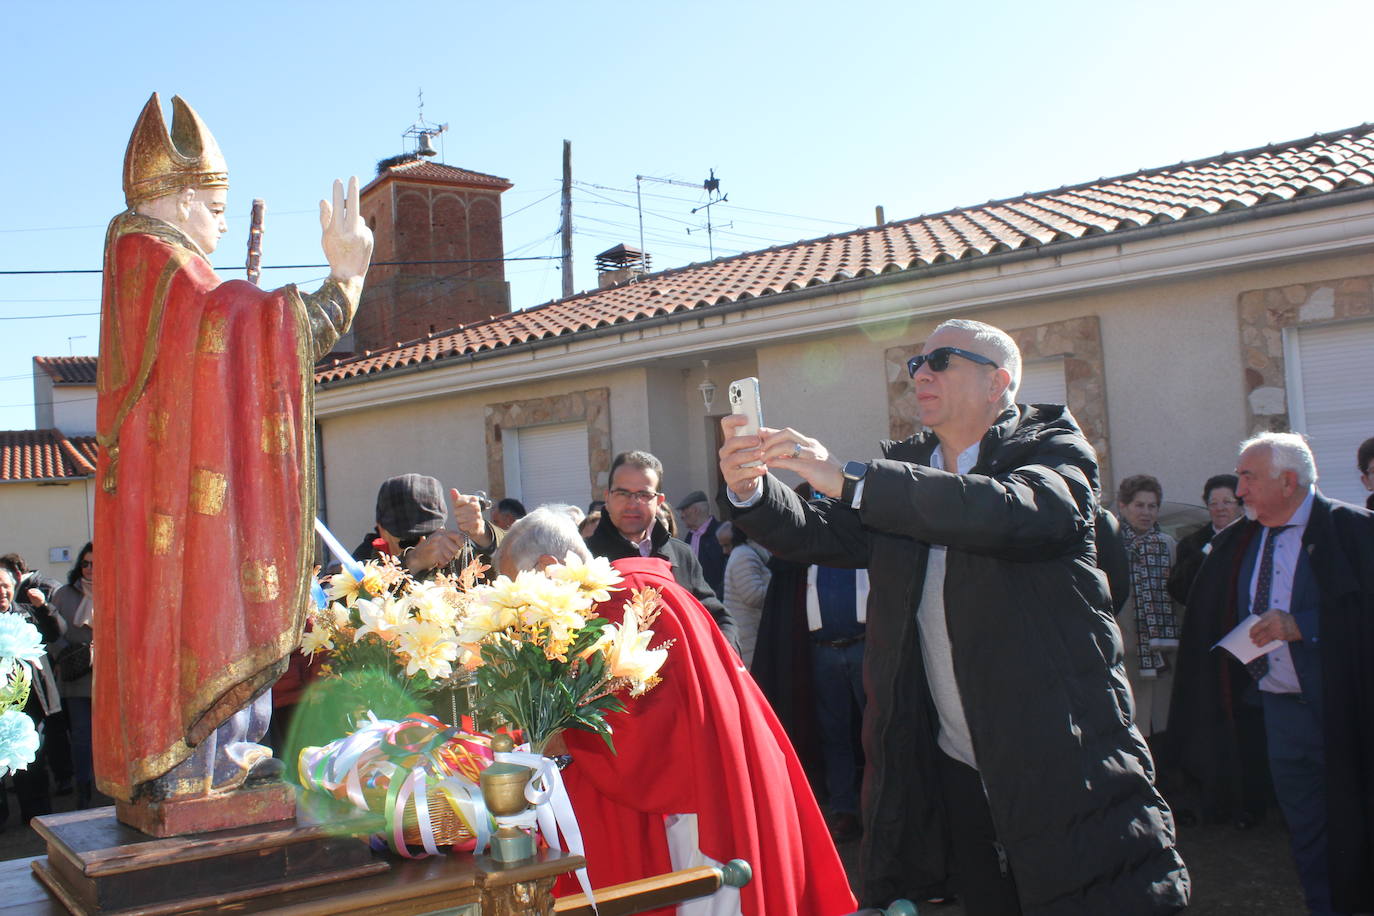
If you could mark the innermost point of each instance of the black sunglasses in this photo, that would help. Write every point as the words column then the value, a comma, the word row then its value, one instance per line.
column 939, row 360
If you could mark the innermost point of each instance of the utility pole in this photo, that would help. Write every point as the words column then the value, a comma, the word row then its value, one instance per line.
column 567, row 220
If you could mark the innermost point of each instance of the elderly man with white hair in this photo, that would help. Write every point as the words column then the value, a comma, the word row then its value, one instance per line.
column 1304, row 565
column 1001, row 756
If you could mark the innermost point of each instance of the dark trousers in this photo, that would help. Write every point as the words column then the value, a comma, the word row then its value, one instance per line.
column 1297, row 764
column 838, row 685
column 79, row 715
column 981, row 873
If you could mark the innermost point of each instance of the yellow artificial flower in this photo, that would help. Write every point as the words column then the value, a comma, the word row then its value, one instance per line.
column 315, row 640
column 343, row 586
column 596, row 577
column 430, row 604
column 628, row 655
column 427, row 647
column 385, row 617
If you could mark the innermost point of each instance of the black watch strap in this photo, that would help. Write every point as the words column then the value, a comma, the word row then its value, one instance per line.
column 853, row 472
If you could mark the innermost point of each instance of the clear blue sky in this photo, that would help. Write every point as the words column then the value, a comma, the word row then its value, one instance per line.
column 810, row 113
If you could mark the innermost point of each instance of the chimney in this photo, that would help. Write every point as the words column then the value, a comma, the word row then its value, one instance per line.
column 620, row 264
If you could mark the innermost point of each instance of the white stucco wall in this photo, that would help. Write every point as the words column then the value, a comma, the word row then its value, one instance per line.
column 445, row 437
column 35, row 518
column 73, row 409
column 1170, row 340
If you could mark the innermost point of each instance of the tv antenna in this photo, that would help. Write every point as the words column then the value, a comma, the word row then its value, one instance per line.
column 712, row 188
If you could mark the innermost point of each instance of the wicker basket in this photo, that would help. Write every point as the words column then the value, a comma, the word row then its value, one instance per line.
column 449, row 829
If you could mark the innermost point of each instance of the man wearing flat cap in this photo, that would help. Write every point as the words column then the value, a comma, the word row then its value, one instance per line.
column 411, row 513
column 699, row 530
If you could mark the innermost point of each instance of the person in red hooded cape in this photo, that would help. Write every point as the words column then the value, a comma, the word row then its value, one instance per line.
column 703, row 742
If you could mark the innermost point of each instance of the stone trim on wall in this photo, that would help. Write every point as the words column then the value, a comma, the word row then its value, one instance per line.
column 1264, row 313
column 592, row 406
column 1077, row 340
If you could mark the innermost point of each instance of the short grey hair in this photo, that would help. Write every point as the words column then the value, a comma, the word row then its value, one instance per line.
column 1288, row 452
column 999, row 346
column 547, row 530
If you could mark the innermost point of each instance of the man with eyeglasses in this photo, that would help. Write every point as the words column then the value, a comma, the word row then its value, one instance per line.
column 1001, row 754
column 630, row 527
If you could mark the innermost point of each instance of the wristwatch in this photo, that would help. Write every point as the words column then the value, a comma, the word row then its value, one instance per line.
column 853, row 472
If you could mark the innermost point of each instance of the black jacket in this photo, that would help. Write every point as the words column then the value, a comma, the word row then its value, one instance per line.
column 1187, row 561
column 607, row 542
column 1339, row 542
column 712, row 558
column 1038, row 660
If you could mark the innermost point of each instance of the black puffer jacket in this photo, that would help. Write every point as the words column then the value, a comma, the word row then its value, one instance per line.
column 1037, row 657
column 607, row 542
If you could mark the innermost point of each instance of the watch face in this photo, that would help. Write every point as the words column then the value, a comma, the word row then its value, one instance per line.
column 854, row 470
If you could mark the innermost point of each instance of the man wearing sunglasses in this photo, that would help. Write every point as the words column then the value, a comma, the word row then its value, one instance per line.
column 1001, row 756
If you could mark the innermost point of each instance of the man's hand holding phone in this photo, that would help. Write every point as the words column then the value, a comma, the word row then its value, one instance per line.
column 783, row 449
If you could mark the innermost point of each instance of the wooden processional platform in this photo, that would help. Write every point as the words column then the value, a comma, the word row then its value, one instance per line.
column 96, row 865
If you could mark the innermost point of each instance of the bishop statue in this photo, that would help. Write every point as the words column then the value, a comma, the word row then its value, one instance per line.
column 206, row 477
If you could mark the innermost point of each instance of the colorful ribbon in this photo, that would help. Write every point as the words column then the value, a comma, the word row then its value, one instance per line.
column 552, row 806
column 408, row 757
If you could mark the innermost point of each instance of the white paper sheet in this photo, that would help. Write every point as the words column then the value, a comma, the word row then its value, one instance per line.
column 1239, row 644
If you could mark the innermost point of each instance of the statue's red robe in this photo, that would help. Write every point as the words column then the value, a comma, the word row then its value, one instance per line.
column 204, row 501
column 702, row 742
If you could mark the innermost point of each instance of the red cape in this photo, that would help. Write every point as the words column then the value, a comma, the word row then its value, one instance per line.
column 204, row 501
column 702, row 742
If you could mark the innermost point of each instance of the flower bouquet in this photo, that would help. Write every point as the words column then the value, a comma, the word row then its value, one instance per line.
column 540, row 656
column 545, row 662
column 20, row 642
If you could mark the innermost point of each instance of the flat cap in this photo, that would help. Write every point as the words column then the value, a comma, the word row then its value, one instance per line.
column 411, row 506
column 696, row 496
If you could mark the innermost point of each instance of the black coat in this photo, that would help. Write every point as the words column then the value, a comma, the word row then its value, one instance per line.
column 712, row 558
column 1187, row 561
column 1037, row 657
column 1339, row 541
column 607, row 542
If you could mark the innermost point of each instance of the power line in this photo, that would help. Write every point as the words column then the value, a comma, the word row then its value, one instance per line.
column 25, row 273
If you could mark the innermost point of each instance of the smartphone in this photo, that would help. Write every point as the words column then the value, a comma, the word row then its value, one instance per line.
column 746, row 402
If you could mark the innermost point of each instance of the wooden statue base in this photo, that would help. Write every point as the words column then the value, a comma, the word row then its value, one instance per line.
column 264, row 804
column 97, row 865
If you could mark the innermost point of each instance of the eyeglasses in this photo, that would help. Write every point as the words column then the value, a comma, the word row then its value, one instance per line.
column 939, row 360
column 1222, row 503
column 639, row 496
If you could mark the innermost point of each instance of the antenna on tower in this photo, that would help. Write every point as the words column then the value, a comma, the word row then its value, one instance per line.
column 422, row 133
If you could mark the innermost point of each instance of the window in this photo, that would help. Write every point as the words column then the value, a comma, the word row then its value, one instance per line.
column 548, row 464
column 1330, row 379
column 1042, row 382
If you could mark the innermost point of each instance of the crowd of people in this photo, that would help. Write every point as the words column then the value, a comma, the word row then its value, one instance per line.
column 60, row 695
column 1037, row 670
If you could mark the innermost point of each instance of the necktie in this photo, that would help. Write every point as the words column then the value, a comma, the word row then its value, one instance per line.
column 1260, row 666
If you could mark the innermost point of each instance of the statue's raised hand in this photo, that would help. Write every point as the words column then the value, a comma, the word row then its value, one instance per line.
column 347, row 241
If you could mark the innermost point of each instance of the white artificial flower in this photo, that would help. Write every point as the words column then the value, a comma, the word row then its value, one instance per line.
column 18, row 741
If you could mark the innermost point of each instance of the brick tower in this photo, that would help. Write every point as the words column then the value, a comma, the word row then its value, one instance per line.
column 421, row 211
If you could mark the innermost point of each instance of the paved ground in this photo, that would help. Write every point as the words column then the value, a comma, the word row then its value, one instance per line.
column 1248, row 873
column 1234, row 873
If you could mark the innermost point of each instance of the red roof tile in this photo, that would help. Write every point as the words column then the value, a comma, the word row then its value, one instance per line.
column 68, row 370
column 45, row 454
column 1325, row 164
column 424, row 170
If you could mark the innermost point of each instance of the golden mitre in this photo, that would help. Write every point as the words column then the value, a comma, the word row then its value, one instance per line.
column 157, row 163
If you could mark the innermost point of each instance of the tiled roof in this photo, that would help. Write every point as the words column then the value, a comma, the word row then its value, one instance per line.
column 68, row 370
column 1325, row 164
column 424, row 170
column 45, row 454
